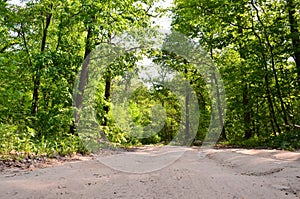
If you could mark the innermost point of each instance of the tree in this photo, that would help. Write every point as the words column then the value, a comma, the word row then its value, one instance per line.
column 259, row 79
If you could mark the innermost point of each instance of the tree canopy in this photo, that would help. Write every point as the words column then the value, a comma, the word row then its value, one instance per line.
column 255, row 45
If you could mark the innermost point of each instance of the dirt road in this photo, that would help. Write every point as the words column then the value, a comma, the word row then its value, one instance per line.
column 225, row 173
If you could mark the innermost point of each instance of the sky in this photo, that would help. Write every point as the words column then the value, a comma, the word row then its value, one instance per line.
column 165, row 21
column 17, row 2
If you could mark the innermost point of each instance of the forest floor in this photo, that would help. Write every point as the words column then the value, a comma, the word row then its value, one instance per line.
column 192, row 173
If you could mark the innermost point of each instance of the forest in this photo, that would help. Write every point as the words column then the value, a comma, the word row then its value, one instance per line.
column 45, row 46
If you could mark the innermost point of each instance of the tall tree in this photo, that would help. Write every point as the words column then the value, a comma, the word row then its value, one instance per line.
column 256, row 31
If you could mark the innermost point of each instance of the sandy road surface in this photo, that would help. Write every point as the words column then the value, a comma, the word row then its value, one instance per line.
column 224, row 173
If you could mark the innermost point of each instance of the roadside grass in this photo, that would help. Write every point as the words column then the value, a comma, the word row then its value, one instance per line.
column 19, row 142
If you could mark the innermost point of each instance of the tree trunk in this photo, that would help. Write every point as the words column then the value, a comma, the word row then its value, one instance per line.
column 223, row 136
column 107, row 96
column 271, row 107
column 273, row 119
column 214, row 79
column 247, row 113
column 187, row 113
column 83, row 77
column 278, row 89
column 294, row 35
column 36, row 77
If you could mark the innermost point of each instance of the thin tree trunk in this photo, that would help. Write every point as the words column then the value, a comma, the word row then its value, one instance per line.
column 187, row 113
column 271, row 107
column 223, row 136
column 247, row 113
column 278, row 89
column 273, row 119
column 36, row 78
column 107, row 96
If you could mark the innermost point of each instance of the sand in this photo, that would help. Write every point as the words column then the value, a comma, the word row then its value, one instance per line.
column 174, row 172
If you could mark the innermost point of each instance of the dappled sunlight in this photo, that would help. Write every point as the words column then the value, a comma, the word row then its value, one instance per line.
column 144, row 161
column 274, row 154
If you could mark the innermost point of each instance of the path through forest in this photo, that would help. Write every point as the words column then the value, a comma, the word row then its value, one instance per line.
column 198, row 173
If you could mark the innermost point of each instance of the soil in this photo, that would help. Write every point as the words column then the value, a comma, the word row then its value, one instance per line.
column 195, row 173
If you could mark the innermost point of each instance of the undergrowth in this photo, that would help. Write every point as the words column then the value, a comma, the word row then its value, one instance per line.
column 20, row 142
column 283, row 141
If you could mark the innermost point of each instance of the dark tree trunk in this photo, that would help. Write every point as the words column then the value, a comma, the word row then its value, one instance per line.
column 187, row 113
column 246, row 106
column 247, row 113
column 277, row 85
column 273, row 119
column 295, row 36
column 271, row 107
column 107, row 96
column 214, row 80
column 36, row 77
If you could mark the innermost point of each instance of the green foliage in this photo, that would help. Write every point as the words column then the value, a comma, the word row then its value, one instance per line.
column 285, row 141
column 254, row 45
column 20, row 141
column 15, row 138
column 43, row 45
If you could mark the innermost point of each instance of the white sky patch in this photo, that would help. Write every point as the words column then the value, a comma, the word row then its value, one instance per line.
column 291, row 59
column 147, row 69
column 17, row 2
column 151, row 73
column 164, row 21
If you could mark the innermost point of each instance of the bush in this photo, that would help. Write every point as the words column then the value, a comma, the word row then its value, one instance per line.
column 21, row 141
